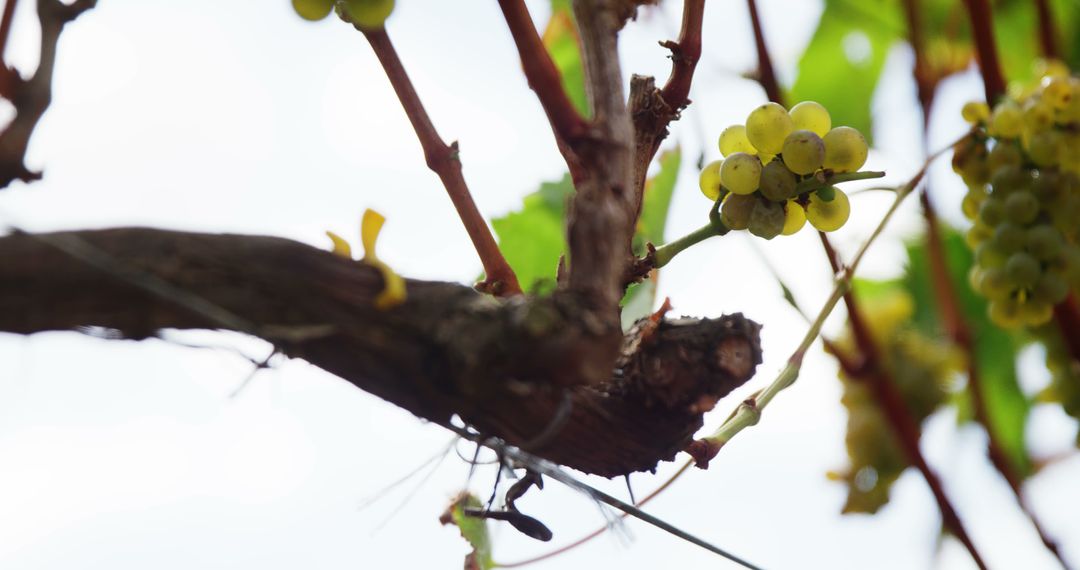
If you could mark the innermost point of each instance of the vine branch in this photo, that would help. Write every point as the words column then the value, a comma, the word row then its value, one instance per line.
column 445, row 161
column 982, row 27
column 766, row 74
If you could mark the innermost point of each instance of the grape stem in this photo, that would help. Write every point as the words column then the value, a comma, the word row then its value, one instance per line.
column 668, row 251
column 825, row 178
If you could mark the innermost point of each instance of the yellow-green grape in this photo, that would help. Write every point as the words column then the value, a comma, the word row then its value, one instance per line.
column 1034, row 313
column 1045, row 148
column 977, row 234
column 811, row 116
column 1022, row 269
column 794, row 218
column 1037, row 115
column 741, row 173
column 1071, row 112
column 1043, row 241
column 1005, row 313
column 1051, row 288
column 828, row 216
column 709, row 181
column 768, row 126
column 970, row 204
column 1021, row 207
column 1050, row 68
column 845, row 150
column 975, row 112
column 733, row 139
column 1011, row 238
column 1007, row 120
column 767, row 219
column 989, row 255
column 804, row 152
column 368, row 14
column 1057, row 92
column 736, row 210
column 992, row 211
column 313, row 10
column 777, row 182
column 994, row 284
column 1003, row 154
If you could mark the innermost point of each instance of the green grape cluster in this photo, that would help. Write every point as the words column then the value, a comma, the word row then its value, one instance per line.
column 1021, row 163
column 767, row 158
column 368, row 14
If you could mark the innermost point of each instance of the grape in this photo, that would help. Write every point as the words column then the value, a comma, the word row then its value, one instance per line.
column 1045, row 148
column 767, row 219
column 1022, row 269
column 1021, row 207
column 1058, row 92
column 1009, row 238
column 994, row 283
column 811, row 116
column 1007, row 120
column 768, row 126
column 794, row 218
column 989, row 255
column 1009, row 178
column 970, row 161
column 975, row 112
column 992, row 211
column 977, row 234
column 804, row 152
column 1048, row 186
column 1035, row 313
column 1003, row 154
column 736, row 210
column 733, row 139
column 1043, row 241
column 313, row 10
column 1037, row 116
column 970, row 204
column 741, row 173
column 1005, row 313
column 368, row 14
column 709, row 181
column 845, row 150
column 777, row 182
column 828, row 216
column 1050, row 288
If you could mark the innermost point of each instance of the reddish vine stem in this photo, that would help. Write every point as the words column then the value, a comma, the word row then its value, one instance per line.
column 685, row 54
column 766, row 74
column 892, row 404
column 982, row 27
column 1047, row 32
column 6, row 73
column 443, row 159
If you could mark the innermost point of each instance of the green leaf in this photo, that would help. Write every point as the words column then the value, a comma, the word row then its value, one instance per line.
column 561, row 40
column 532, row 239
column 473, row 529
column 995, row 349
column 842, row 63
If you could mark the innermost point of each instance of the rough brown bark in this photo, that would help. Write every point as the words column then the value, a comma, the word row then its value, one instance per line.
column 506, row 367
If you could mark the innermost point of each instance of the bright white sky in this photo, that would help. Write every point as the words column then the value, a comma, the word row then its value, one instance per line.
column 238, row 117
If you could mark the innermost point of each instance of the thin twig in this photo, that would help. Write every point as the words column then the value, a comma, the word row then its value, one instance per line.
column 1048, row 41
column 685, row 54
column 443, row 159
column 982, row 27
column 544, row 467
column 7, row 73
column 766, row 74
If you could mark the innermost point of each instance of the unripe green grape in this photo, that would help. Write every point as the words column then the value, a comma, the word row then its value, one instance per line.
column 1049, row 68
column 1003, row 154
column 1051, row 288
column 989, row 255
column 1057, row 92
column 1048, row 186
column 975, row 112
column 709, row 181
column 1021, row 207
column 970, row 204
column 828, row 216
column 1022, row 269
column 845, row 150
column 1071, row 112
column 1009, row 238
column 804, row 152
column 736, row 210
column 794, row 218
column 313, row 10
column 1006, row 121
column 733, row 139
column 741, row 173
column 777, row 182
column 1035, row 313
column 1037, row 115
column 1010, row 178
column 811, row 116
column 1045, row 148
column 977, row 234
column 768, row 126
column 368, row 14
column 1043, row 241
column 1005, row 313
column 766, row 219
column 992, row 211
column 994, row 284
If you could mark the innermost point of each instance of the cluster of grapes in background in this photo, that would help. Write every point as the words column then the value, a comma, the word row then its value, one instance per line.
column 770, row 180
column 369, row 14
column 1021, row 163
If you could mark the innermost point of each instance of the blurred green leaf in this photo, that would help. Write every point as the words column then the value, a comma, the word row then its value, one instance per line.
column 533, row 238
column 842, row 63
column 473, row 529
column 562, row 42
column 995, row 349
